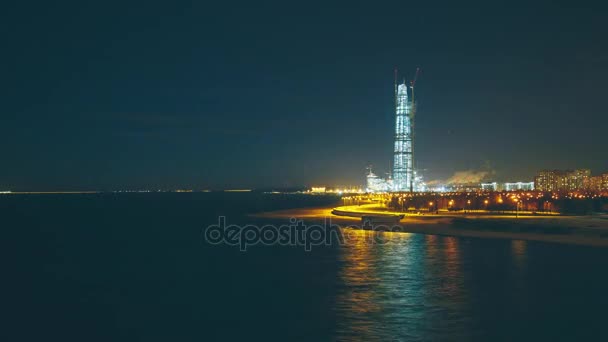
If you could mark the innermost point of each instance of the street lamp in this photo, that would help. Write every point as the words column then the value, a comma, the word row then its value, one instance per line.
column 517, row 203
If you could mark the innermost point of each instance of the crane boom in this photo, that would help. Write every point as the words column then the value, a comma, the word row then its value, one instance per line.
column 413, row 83
column 412, row 116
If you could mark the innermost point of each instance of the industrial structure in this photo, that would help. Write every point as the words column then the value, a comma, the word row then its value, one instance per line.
column 377, row 184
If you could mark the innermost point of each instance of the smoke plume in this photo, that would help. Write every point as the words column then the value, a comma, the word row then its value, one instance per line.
column 468, row 177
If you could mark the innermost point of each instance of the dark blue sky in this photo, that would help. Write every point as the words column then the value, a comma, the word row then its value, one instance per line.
column 110, row 95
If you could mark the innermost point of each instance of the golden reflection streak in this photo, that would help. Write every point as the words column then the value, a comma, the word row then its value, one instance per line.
column 360, row 276
column 518, row 250
column 452, row 263
column 356, row 299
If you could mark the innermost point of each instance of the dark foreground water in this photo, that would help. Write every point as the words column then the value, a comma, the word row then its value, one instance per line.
column 134, row 267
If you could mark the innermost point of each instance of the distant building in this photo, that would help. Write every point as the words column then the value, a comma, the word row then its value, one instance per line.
column 519, row 186
column 465, row 187
column 494, row 186
column 489, row 186
column 594, row 183
column 549, row 180
column 598, row 183
column 576, row 180
column 559, row 180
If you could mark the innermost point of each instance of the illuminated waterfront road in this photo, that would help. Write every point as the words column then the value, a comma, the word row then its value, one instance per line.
column 581, row 230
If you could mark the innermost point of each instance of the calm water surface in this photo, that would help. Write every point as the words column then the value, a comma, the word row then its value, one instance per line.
column 134, row 267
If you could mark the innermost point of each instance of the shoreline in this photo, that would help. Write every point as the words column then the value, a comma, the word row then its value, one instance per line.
column 574, row 230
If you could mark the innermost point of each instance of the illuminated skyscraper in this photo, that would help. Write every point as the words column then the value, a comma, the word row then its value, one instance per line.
column 403, row 165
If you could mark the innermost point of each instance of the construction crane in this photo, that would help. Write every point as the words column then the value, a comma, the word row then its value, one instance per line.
column 412, row 115
column 412, row 84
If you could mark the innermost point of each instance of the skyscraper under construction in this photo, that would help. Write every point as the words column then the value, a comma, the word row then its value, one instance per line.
column 403, row 164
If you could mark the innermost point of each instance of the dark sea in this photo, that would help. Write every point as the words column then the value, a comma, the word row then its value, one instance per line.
column 135, row 267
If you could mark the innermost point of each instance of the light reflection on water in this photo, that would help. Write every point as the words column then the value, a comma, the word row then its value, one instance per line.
column 147, row 276
column 518, row 250
column 422, row 287
column 408, row 286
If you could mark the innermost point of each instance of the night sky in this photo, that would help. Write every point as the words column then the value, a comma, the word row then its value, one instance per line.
column 128, row 95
